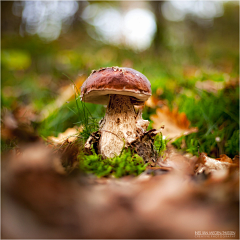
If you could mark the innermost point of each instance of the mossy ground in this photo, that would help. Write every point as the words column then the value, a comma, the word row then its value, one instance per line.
column 125, row 164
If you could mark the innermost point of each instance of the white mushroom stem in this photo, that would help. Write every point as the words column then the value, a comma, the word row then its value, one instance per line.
column 121, row 126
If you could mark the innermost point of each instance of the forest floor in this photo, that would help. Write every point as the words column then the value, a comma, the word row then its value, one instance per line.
column 52, row 188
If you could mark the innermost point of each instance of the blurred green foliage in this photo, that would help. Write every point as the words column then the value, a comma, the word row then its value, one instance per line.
column 15, row 59
column 216, row 116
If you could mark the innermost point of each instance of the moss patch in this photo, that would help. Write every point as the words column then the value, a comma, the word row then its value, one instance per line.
column 126, row 163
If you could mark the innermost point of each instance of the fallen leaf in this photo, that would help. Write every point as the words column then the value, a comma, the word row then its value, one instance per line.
column 224, row 158
column 155, row 102
column 175, row 124
column 68, row 147
column 16, row 128
column 236, row 159
column 177, row 161
column 69, row 135
column 25, row 114
column 208, row 165
column 209, row 86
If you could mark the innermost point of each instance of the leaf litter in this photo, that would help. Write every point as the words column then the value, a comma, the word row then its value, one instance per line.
column 42, row 199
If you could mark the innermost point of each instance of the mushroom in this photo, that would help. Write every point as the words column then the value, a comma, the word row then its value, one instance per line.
column 120, row 89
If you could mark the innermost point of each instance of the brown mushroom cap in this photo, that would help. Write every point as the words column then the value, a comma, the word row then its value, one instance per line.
column 114, row 80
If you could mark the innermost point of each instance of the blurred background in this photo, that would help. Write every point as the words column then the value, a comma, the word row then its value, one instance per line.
column 189, row 51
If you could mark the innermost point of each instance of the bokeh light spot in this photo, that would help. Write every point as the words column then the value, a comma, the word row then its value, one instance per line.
column 134, row 28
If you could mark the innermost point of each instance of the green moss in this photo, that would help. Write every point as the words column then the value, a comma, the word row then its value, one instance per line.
column 126, row 163
column 160, row 144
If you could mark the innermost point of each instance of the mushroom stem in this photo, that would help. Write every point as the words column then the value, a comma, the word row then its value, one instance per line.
column 121, row 126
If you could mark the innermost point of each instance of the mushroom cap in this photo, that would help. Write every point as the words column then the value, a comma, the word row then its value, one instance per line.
column 115, row 80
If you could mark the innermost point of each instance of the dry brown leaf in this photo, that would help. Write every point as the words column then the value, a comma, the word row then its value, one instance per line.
column 34, row 156
column 209, row 86
column 154, row 102
column 25, row 114
column 236, row 159
column 177, row 161
column 175, row 124
column 214, row 87
column 16, row 128
column 224, row 158
column 69, row 135
column 67, row 146
column 207, row 164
